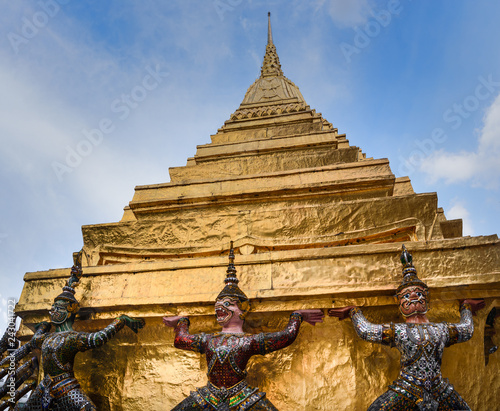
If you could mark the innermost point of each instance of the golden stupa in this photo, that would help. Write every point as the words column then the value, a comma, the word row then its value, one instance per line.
column 315, row 224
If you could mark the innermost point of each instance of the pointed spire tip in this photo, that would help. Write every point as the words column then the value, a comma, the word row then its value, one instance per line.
column 269, row 31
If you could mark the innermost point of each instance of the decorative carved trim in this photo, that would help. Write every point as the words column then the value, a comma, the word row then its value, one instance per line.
column 241, row 114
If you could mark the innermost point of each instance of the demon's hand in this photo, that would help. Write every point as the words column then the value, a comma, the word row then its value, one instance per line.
column 475, row 305
column 341, row 313
column 135, row 324
column 311, row 316
column 172, row 320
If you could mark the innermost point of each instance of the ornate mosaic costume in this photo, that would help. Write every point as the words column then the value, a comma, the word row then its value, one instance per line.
column 227, row 356
column 421, row 347
column 227, row 352
column 420, row 385
column 59, row 389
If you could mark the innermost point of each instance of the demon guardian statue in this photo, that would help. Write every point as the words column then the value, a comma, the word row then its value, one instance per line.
column 59, row 390
column 420, row 385
column 227, row 352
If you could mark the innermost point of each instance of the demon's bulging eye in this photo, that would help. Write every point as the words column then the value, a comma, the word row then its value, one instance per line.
column 419, row 294
column 407, row 296
column 226, row 304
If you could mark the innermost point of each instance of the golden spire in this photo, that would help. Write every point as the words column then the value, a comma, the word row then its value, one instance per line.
column 271, row 89
column 271, row 66
column 269, row 31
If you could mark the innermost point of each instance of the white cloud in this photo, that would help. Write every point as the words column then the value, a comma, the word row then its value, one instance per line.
column 459, row 211
column 480, row 167
column 490, row 135
column 347, row 13
column 452, row 167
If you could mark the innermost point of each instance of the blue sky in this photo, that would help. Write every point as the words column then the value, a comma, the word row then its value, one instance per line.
column 417, row 82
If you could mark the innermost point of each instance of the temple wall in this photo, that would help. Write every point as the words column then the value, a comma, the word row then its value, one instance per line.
column 467, row 267
column 327, row 367
column 308, row 222
column 273, row 162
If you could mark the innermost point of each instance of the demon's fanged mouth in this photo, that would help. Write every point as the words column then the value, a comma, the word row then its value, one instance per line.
column 418, row 304
column 58, row 316
column 412, row 307
column 222, row 314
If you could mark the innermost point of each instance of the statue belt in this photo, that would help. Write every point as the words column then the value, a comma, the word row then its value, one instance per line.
column 430, row 384
column 424, row 393
column 60, row 377
column 56, row 387
column 238, row 397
